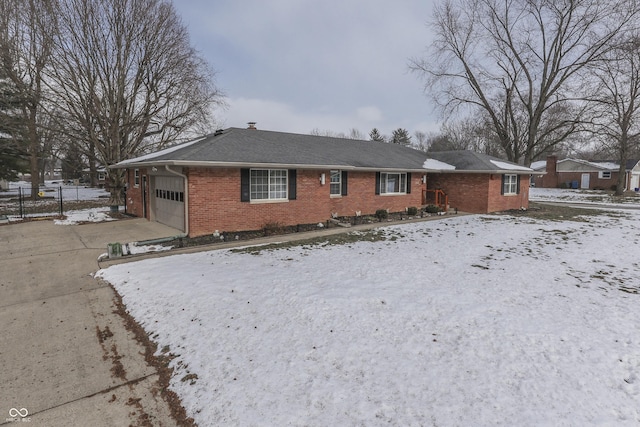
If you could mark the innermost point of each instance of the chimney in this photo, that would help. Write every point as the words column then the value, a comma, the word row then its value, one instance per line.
column 252, row 125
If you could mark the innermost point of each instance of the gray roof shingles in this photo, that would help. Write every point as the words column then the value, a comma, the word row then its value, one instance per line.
column 259, row 147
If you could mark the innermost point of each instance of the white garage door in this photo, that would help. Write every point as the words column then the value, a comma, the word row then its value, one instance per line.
column 168, row 192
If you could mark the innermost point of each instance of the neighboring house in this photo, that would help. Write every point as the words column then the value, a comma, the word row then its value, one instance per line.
column 583, row 174
column 101, row 177
column 243, row 179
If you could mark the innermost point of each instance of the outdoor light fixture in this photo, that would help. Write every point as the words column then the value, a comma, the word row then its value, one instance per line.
column 154, row 169
column 322, row 179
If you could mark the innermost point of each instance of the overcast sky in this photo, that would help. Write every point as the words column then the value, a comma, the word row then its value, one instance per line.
column 300, row 65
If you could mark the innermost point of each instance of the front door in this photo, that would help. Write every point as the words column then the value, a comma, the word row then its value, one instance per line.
column 584, row 183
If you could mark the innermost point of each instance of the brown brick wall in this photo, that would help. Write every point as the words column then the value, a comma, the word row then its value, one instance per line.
column 214, row 201
column 594, row 181
column 134, row 194
column 479, row 193
column 214, row 198
column 554, row 179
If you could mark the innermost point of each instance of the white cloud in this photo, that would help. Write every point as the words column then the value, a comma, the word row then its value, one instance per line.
column 298, row 66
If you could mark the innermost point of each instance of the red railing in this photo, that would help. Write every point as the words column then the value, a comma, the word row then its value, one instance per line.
column 435, row 197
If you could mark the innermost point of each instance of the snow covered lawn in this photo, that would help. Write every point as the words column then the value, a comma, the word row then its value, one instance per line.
column 476, row 320
column 596, row 197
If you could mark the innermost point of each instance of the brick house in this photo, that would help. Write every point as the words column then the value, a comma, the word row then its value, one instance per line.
column 479, row 183
column 242, row 179
column 583, row 174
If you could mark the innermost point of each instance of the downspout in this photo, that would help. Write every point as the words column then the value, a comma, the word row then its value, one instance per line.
column 186, row 198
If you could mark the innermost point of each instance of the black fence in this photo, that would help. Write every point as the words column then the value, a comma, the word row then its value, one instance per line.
column 49, row 201
column 24, row 204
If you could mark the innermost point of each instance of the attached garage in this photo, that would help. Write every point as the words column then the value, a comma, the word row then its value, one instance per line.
column 167, row 194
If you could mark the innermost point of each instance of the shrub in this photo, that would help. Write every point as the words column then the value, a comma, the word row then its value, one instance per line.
column 432, row 209
column 412, row 210
column 382, row 214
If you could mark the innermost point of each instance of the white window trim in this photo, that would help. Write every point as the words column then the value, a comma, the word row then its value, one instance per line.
column 601, row 174
column 339, row 183
column 136, row 178
column 269, row 199
column 509, row 184
column 384, row 182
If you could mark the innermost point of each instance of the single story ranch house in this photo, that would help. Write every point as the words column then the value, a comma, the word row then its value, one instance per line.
column 243, row 179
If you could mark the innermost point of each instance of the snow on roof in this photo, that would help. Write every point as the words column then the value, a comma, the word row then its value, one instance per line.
column 509, row 166
column 593, row 164
column 437, row 165
column 607, row 165
column 540, row 164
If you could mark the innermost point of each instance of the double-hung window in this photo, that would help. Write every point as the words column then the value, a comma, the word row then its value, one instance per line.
column 510, row 185
column 336, row 183
column 136, row 177
column 393, row 183
column 604, row 174
column 268, row 184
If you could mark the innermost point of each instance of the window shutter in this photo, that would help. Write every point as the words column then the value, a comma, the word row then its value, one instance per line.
column 292, row 184
column 245, row 188
column 377, row 182
column 518, row 185
column 344, row 183
column 408, row 182
column 502, row 186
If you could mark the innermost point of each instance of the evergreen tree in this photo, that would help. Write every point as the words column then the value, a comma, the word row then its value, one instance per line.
column 401, row 136
column 73, row 162
column 374, row 135
column 13, row 156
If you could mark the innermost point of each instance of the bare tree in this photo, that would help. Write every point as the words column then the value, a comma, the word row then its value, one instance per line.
column 127, row 79
column 617, row 102
column 26, row 31
column 422, row 141
column 518, row 62
column 353, row 134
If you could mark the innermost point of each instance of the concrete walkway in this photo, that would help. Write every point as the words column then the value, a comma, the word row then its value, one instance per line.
column 66, row 356
column 279, row 238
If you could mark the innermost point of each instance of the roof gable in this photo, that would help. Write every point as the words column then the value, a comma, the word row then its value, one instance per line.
column 578, row 165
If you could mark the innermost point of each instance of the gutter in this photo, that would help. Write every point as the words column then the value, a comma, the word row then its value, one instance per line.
column 246, row 165
column 186, row 198
column 496, row 171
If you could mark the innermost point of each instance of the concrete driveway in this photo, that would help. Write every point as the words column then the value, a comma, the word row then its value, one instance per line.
column 66, row 356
